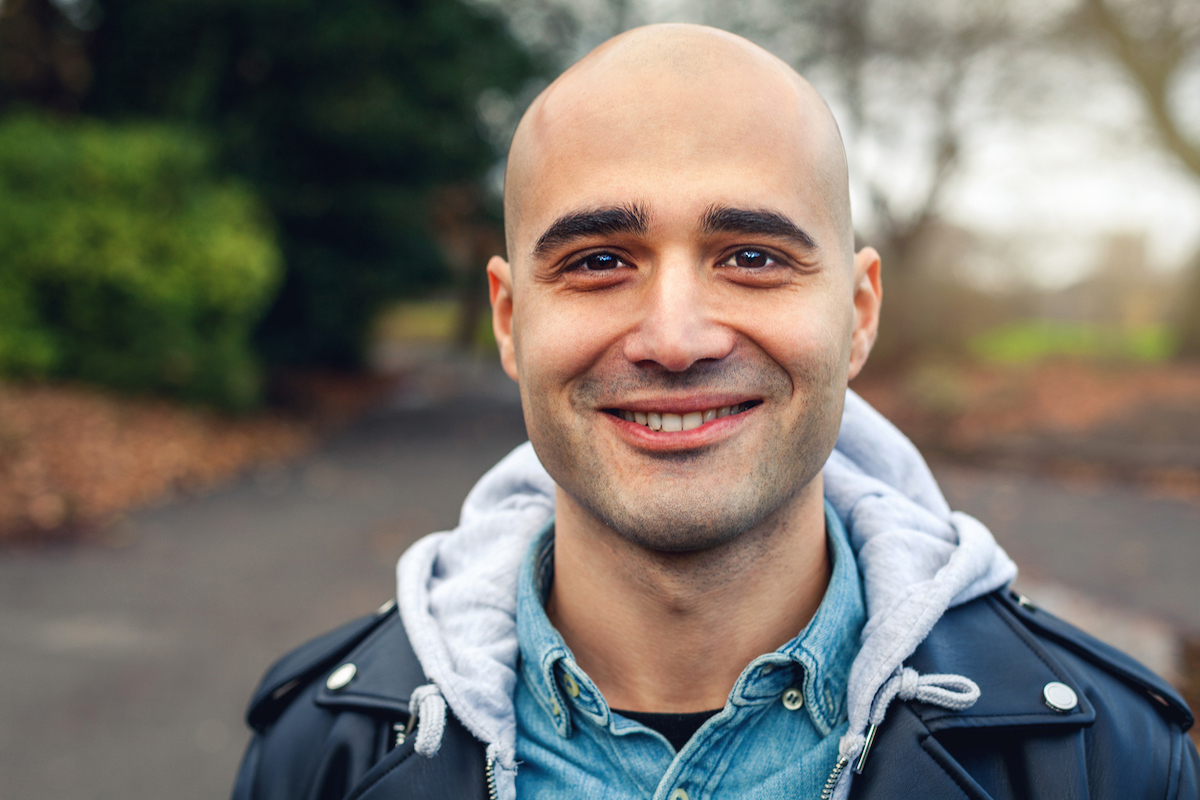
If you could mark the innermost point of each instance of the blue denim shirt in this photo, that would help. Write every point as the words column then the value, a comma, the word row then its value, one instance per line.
column 570, row 744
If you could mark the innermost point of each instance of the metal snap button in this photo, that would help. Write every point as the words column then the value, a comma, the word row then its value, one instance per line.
column 792, row 698
column 554, row 709
column 679, row 794
column 1060, row 697
column 570, row 684
column 340, row 677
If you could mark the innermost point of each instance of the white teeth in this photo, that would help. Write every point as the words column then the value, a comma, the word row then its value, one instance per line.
column 659, row 421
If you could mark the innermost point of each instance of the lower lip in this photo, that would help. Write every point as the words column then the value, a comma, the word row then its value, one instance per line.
column 706, row 434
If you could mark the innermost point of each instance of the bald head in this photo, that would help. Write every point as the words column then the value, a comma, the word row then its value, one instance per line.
column 675, row 96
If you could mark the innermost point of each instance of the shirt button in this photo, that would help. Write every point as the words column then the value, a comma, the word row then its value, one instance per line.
column 570, row 684
column 679, row 794
column 793, row 698
column 554, row 709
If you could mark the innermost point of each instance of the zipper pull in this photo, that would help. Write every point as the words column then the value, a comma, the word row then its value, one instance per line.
column 862, row 757
column 401, row 730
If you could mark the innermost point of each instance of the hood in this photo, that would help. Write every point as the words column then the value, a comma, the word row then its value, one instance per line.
column 457, row 589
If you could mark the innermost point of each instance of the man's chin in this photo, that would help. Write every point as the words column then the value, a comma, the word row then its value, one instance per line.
column 688, row 520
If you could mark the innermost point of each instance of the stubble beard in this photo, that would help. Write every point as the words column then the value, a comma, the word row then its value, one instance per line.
column 714, row 494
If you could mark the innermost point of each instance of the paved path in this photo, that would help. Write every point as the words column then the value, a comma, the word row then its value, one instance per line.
column 126, row 666
column 1112, row 541
column 125, row 670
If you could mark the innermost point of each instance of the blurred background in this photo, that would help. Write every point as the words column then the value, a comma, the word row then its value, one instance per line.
column 245, row 350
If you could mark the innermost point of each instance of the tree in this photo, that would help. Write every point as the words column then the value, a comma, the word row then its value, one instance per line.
column 44, row 59
column 1156, row 42
column 347, row 117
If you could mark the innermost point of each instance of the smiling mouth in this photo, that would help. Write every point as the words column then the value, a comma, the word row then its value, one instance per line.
column 670, row 423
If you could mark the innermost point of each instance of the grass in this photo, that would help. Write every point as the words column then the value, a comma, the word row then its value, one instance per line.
column 430, row 322
column 1034, row 340
column 419, row 321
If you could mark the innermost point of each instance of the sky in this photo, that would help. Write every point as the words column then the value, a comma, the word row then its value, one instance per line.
column 1077, row 172
column 1057, row 182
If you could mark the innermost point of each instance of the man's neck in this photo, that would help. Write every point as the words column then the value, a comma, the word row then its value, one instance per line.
column 671, row 632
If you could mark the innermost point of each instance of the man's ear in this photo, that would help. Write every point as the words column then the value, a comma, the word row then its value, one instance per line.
column 500, row 290
column 868, row 294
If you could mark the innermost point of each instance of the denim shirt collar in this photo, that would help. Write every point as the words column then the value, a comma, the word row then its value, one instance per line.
column 818, row 659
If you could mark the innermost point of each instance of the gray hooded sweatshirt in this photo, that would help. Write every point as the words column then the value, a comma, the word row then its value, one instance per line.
column 458, row 589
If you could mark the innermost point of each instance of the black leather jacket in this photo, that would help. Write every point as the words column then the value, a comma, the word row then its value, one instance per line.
column 1123, row 739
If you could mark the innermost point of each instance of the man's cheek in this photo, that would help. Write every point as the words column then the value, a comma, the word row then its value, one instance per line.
column 809, row 345
column 557, row 364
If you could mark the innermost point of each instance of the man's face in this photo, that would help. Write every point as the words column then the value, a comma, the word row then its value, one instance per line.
column 680, row 311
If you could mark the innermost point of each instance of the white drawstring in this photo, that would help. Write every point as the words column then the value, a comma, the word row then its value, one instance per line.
column 950, row 691
column 429, row 707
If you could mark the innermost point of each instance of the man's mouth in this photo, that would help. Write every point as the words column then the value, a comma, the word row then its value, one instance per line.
column 669, row 422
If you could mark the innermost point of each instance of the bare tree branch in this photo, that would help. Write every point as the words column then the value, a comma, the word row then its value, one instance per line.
column 1152, row 62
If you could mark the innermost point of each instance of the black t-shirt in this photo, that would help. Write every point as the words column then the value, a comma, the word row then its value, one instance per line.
column 678, row 728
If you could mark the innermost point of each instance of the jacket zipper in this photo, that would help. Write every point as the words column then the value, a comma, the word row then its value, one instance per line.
column 827, row 792
column 493, row 792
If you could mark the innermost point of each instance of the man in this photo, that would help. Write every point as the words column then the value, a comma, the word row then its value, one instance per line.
column 699, row 596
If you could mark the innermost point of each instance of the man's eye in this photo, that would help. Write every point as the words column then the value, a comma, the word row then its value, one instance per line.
column 597, row 262
column 749, row 258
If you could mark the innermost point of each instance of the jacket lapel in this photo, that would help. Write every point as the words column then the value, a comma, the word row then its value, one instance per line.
column 907, row 763
column 911, row 755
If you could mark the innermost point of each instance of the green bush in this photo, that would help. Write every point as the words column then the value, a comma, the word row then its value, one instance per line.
column 124, row 261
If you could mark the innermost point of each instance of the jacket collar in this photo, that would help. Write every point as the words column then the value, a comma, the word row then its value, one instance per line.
column 984, row 640
column 988, row 640
column 385, row 672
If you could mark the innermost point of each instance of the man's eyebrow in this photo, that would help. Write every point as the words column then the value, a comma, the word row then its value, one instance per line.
column 630, row 218
column 722, row 219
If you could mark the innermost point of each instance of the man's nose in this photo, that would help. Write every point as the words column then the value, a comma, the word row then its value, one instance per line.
column 676, row 326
